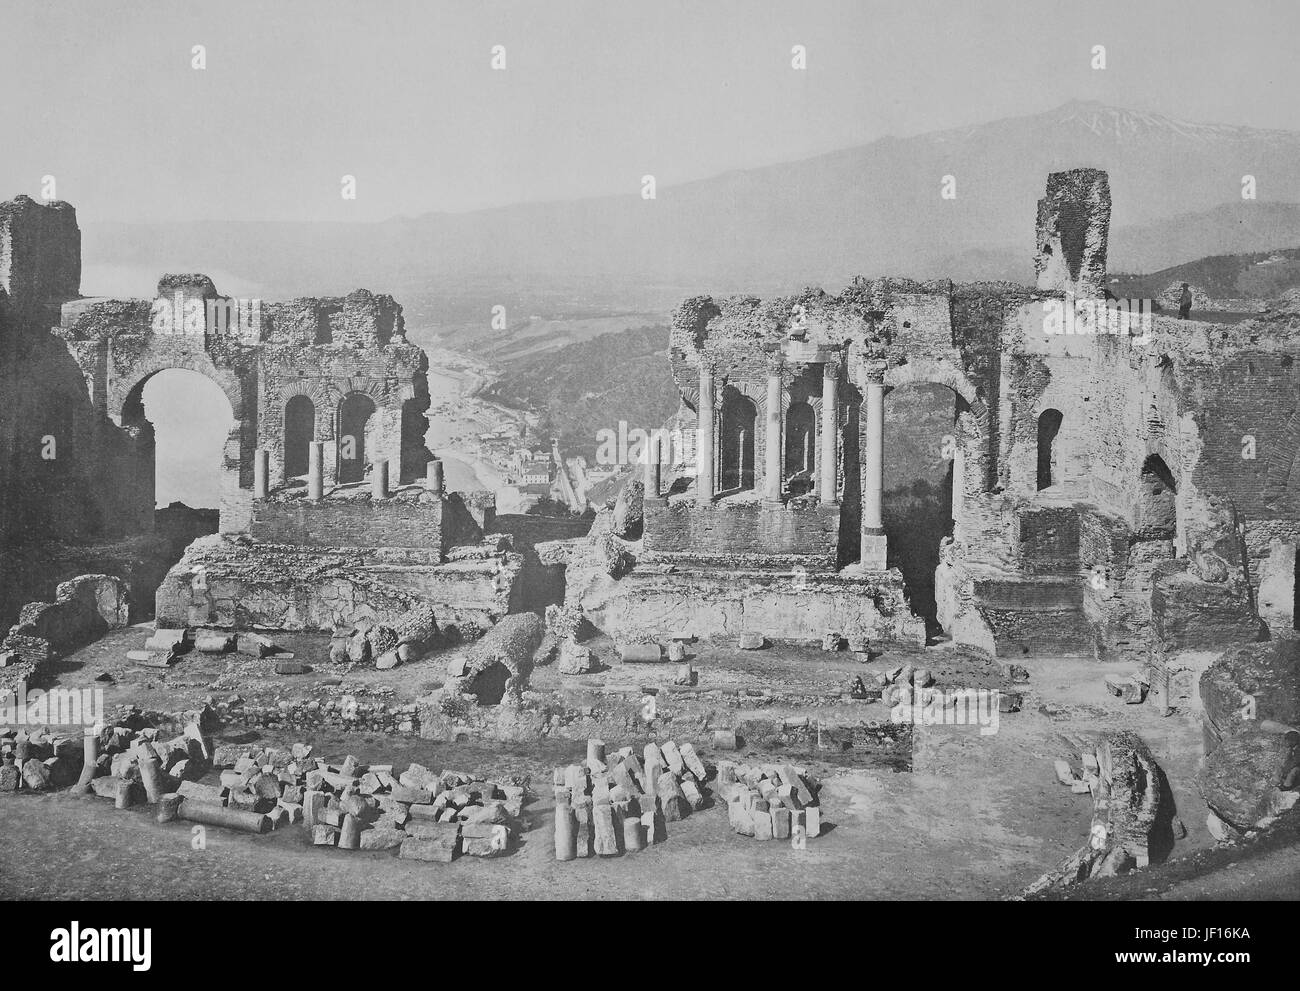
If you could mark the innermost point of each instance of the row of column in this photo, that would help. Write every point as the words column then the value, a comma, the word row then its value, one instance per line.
column 379, row 489
column 828, row 472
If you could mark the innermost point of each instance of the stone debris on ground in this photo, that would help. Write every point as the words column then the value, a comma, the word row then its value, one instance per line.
column 1130, row 690
column 426, row 815
column 611, row 804
column 164, row 646
column 770, row 801
column 127, row 764
column 575, row 658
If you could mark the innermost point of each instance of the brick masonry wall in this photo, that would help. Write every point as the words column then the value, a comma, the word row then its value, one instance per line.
column 349, row 523
column 743, row 529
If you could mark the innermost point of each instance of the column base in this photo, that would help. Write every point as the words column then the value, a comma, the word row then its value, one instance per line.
column 874, row 551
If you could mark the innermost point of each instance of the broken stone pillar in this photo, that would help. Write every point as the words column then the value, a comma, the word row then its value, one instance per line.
column 316, row 471
column 261, row 468
column 704, row 447
column 379, row 480
column 566, row 833
column 1072, row 228
column 873, row 476
column 828, row 471
column 433, row 475
column 651, row 455
column 772, row 438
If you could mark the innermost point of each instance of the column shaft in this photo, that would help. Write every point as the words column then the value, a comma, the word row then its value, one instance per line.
column 316, row 470
column 261, row 469
column 704, row 439
column 874, row 550
column 650, row 456
column 772, row 464
column 433, row 475
column 829, row 472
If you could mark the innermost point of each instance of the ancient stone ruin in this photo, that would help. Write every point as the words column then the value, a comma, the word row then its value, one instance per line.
column 1120, row 489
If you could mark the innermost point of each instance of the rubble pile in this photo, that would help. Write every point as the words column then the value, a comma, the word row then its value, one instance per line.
column 609, row 806
column 165, row 646
column 770, row 802
column 38, row 761
column 385, row 647
column 424, row 814
column 904, row 684
column 121, row 762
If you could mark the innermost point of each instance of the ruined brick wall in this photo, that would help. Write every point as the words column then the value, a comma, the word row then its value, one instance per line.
column 398, row 522
column 59, row 461
column 40, row 254
column 1072, row 226
column 744, row 530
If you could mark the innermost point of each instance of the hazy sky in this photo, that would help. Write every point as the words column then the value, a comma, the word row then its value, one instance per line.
column 101, row 94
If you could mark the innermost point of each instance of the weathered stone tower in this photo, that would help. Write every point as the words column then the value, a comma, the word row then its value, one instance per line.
column 1073, row 224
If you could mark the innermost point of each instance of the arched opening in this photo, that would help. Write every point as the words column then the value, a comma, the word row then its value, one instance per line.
column 1157, row 501
column 1049, row 425
column 920, row 439
column 736, row 442
column 190, row 420
column 354, row 415
column 182, row 455
column 299, row 431
column 800, row 447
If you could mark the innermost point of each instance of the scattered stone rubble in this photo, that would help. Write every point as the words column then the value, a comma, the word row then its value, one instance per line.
column 386, row 646
column 426, row 815
column 118, row 762
column 609, row 807
column 770, row 802
column 165, row 646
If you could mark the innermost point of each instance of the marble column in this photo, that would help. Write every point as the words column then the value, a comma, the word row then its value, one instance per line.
column 828, row 473
column 772, row 439
column 261, row 469
column 958, row 482
column 704, row 438
column 873, row 476
column 379, row 480
column 433, row 475
column 650, row 455
column 316, row 471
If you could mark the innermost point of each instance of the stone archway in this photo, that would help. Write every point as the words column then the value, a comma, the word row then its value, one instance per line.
column 299, row 432
column 356, row 410
column 738, row 420
column 976, row 439
column 124, row 391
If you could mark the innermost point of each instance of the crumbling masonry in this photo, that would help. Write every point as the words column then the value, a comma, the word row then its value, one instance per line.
column 1125, row 494
column 332, row 510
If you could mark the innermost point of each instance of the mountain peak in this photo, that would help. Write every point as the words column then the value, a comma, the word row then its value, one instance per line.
column 1121, row 124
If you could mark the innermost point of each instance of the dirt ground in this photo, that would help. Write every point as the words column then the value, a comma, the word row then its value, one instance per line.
column 977, row 816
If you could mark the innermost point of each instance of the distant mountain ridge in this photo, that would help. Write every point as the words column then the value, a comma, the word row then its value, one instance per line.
column 873, row 209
